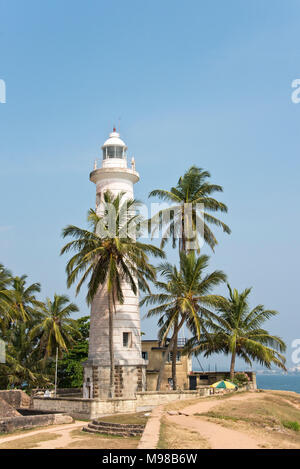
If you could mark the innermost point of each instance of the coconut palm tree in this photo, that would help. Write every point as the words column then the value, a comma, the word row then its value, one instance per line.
column 188, row 217
column 191, row 203
column 237, row 331
column 24, row 302
column 23, row 367
column 5, row 296
column 183, row 299
column 56, row 328
column 109, row 255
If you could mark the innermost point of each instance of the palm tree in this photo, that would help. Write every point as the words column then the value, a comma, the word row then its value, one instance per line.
column 25, row 304
column 191, row 191
column 183, row 299
column 237, row 331
column 188, row 217
column 110, row 255
column 23, row 367
column 55, row 328
column 5, row 296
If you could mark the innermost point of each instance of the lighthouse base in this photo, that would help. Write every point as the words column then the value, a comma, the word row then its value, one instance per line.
column 128, row 380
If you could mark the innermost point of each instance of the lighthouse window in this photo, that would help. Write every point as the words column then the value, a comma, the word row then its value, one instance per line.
column 119, row 152
column 113, row 152
column 126, row 339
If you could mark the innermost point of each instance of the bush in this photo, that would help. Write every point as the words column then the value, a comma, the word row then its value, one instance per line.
column 291, row 425
column 240, row 379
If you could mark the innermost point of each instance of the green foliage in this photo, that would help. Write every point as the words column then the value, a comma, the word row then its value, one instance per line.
column 236, row 330
column 70, row 369
column 192, row 188
column 291, row 425
column 32, row 330
column 183, row 298
column 108, row 255
column 240, row 379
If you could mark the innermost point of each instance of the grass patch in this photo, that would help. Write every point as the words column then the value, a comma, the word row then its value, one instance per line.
column 291, row 425
column 20, row 431
column 267, row 411
column 28, row 442
column 138, row 418
column 216, row 415
column 100, row 441
column 172, row 436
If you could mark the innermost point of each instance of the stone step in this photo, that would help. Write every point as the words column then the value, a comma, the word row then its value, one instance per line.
column 111, row 432
column 117, row 425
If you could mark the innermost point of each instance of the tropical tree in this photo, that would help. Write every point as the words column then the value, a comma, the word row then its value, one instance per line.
column 24, row 303
column 110, row 255
column 236, row 330
column 191, row 203
column 183, row 299
column 188, row 219
column 5, row 297
column 55, row 329
column 23, row 367
column 70, row 370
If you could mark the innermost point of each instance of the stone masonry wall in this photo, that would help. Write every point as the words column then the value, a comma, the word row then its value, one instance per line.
column 93, row 408
column 16, row 398
column 11, row 424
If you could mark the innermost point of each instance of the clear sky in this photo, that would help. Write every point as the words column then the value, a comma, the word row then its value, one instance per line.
column 194, row 82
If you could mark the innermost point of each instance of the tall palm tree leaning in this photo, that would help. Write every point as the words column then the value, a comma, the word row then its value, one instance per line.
column 108, row 255
column 237, row 331
column 191, row 201
column 183, row 299
column 187, row 219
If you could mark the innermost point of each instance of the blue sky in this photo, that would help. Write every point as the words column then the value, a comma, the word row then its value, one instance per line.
column 195, row 82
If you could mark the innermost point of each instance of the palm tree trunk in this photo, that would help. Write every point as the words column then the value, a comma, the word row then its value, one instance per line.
column 111, row 346
column 232, row 364
column 182, row 247
column 174, row 357
column 165, row 356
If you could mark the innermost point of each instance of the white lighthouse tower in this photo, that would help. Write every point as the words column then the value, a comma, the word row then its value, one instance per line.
column 115, row 176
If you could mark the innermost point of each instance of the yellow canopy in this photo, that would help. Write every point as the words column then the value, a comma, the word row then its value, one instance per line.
column 223, row 385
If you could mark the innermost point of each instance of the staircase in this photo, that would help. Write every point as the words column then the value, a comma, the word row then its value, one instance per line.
column 117, row 429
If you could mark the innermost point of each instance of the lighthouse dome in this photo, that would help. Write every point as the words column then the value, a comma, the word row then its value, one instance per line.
column 114, row 147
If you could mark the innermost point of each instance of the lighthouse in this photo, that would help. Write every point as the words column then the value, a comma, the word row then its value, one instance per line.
column 114, row 176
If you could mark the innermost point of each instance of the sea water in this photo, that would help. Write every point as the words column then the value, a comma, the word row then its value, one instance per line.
column 290, row 382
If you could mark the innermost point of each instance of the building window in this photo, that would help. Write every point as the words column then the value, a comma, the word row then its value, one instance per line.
column 178, row 356
column 126, row 339
column 145, row 355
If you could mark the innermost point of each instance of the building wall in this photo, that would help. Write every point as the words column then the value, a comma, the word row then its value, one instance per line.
column 129, row 379
column 8, row 425
column 93, row 408
column 16, row 398
column 126, row 319
column 208, row 378
column 155, row 354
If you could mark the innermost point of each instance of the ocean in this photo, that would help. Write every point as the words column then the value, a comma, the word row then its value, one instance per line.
column 279, row 382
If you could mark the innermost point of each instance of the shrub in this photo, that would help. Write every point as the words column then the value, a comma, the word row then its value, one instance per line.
column 240, row 379
column 291, row 425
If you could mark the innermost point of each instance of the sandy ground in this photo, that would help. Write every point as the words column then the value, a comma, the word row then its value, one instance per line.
column 62, row 430
column 217, row 436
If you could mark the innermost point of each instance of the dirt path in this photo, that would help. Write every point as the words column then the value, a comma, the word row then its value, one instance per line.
column 150, row 435
column 218, row 437
column 63, row 440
